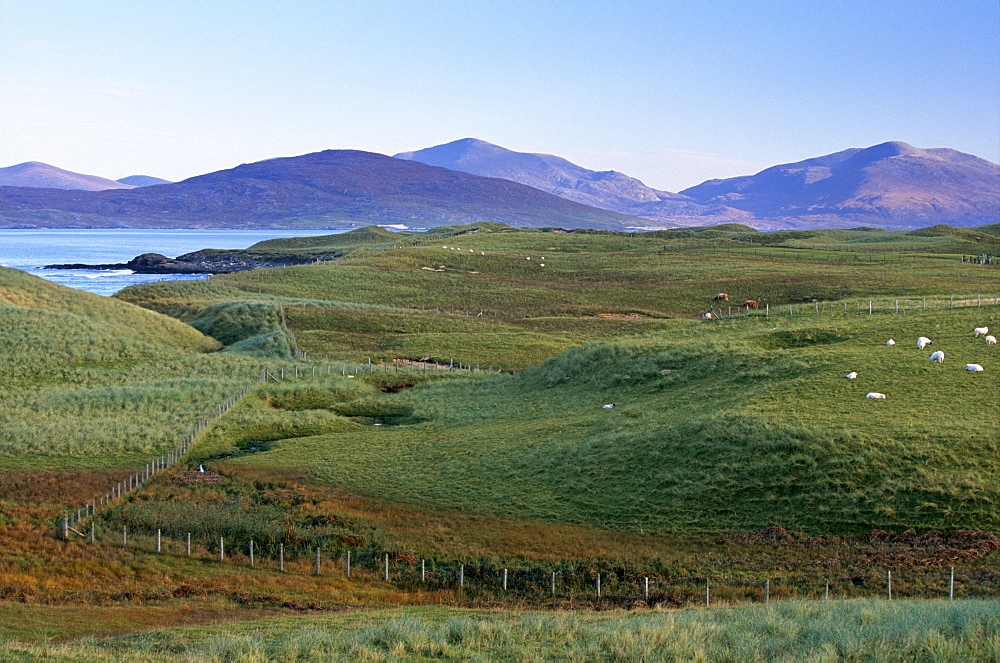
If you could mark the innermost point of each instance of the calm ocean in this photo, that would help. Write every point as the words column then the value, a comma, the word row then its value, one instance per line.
column 30, row 250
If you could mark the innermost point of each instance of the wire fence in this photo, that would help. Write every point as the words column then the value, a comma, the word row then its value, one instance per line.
column 613, row 585
column 895, row 306
column 73, row 517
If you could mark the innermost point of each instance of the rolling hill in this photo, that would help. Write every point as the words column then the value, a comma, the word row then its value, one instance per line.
column 329, row 189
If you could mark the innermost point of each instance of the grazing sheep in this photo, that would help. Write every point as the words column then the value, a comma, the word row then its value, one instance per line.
column 890, row 342
column 975, row 368
column 721, row 297
column 707, row 316
column 875, row 395
column 608, row 406
column 980, row 331
column 542, row 264
column 923, row 342
column 991, row 340
column 938, row 356
column 750, row 303
column 852, row 375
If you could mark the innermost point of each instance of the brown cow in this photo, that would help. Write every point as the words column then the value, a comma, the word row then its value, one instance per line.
column 721, row 297
column 750, row 303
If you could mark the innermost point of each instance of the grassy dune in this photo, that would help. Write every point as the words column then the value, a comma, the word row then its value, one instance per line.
column 856, row 630
column 91, row 381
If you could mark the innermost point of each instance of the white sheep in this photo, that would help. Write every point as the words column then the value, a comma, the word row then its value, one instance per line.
column 890, row 342
column 852, row 375
column 991, row 340
column 975, row 368
column 608, row 406
column 938, row 356
column 528, row 258
column 875, row 395
column 923, row 342
column 707, row 316
column 980, row 331
column 541, row 264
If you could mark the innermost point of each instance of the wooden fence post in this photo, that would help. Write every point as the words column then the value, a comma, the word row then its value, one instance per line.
column 158, row 541
column 187, row 546
column 826, row 591
column 222, row 549
column 553, row 585
column 461, row 576
column 124, row 536
column 65, row 526
column 317, row 560
column 385, row 570
column 423, row 571
column 767, row 591
column 505, row 580
column 645, row 588
column 281, row 557
column 707, row 595
column 888, row 585
column 951, row 584
column 251, row 553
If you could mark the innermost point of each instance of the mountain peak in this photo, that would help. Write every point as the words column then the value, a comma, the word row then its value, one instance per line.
column 35, row 174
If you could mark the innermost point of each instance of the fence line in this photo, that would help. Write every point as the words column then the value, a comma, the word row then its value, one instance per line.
column 577, row 582
column 855, row 307
column 71, row 518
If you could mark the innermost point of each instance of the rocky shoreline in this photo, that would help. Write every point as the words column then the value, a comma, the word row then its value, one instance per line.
column 206, row 261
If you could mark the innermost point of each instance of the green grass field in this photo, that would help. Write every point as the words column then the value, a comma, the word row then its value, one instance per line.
column 720, row 428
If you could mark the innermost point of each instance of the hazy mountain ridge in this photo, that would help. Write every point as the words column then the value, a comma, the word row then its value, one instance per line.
column 42, row 175
column 323, row 189
column 143, row 180
column 891, row 184
column 608, row 189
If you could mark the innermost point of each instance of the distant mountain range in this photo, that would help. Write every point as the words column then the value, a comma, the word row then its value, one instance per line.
column 891, row 185
column 607, row 189
column 330, row 189
column 36, row 174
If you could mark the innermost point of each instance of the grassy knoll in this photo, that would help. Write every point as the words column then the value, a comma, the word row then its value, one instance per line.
column 856, row 630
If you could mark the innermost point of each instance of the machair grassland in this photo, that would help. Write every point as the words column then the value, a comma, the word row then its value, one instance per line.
column 720, row 428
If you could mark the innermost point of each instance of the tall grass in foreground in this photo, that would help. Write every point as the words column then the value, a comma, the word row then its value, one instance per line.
column 794, row 631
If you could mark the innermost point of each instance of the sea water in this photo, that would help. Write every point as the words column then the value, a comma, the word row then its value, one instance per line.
column 30, row 250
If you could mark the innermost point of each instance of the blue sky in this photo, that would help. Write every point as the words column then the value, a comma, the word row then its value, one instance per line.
column 671, row 92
